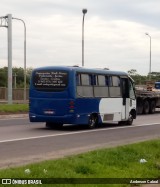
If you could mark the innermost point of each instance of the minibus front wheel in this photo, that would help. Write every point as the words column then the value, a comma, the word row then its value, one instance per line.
column 130, row 120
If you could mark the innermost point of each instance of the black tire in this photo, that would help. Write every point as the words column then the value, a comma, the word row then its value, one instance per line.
column 121, row 123
column 51, row 125
column 152, row 107
column 93, row 121
column 129, row 121
column 145, row 107
column 140, row 107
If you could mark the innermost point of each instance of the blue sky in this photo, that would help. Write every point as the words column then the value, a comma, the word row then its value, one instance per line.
column 114, row 33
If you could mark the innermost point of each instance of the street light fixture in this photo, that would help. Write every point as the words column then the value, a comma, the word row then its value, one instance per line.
column 84, row 11
column 6, row 21
column 24, row 56
column 150, row 57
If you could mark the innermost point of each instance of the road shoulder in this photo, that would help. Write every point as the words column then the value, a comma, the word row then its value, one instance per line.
column 10, row 116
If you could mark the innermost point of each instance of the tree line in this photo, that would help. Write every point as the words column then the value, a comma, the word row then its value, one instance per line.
column 142, row 79
column 18, row 77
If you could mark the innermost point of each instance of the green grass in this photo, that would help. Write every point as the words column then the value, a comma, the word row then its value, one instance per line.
column 119, row 162
column 13, row 108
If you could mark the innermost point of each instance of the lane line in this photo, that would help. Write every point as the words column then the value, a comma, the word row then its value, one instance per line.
column 79, row 132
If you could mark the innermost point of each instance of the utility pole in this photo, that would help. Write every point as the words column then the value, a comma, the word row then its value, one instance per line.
column 24, row 95
column 84, row 11
column 149, row 55
column 6, row 21
column 9, row 58
column 15, row 80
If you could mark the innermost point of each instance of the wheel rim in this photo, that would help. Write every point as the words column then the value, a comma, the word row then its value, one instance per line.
column 92, row 121
column 130, row 120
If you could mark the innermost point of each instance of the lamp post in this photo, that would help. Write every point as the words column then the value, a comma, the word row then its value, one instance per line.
column 150, row 57
column 6, row 21
column 84, row 11
column 24, row 56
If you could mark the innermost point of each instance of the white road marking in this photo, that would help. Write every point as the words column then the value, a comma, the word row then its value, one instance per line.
column 79, row 132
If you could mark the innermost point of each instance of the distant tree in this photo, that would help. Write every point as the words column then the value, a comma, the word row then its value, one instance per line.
column 132, row 72
column 139, row 79
column 28, row 75
column 155, row 76
column 18, row 74
column 3, row 76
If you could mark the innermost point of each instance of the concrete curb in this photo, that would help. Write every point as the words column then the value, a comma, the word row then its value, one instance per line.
column 14, row 116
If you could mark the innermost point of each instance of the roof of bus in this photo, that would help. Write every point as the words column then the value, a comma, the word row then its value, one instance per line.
column 82, row 69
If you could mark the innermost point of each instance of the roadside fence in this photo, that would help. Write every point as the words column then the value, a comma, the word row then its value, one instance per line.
column 18, row 94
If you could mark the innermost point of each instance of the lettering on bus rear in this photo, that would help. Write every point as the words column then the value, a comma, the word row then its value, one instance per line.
column 49, row 80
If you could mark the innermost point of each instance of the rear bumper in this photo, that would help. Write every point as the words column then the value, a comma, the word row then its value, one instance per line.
column 68, row 119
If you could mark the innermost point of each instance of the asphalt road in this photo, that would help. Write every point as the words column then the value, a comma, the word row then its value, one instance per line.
column 22, row 142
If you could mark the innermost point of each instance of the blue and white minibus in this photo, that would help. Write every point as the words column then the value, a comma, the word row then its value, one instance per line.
column 74, row 95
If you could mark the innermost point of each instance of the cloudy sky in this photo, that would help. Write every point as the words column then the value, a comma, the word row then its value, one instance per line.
column 114, row 33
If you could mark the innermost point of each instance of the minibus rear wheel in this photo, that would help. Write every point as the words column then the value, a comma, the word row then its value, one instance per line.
column 93, row 121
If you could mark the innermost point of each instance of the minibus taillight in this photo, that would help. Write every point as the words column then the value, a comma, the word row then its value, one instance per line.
column 71, row 104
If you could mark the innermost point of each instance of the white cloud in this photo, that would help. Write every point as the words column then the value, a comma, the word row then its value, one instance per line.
column 114, row 33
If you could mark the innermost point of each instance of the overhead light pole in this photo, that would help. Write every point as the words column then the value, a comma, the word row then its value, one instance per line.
column 84, row 11
column 6, row 21
column 150, row 57
column 24, row 56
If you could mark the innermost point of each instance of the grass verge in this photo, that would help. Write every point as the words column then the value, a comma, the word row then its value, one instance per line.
column 13, row 108
column 112, row 164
